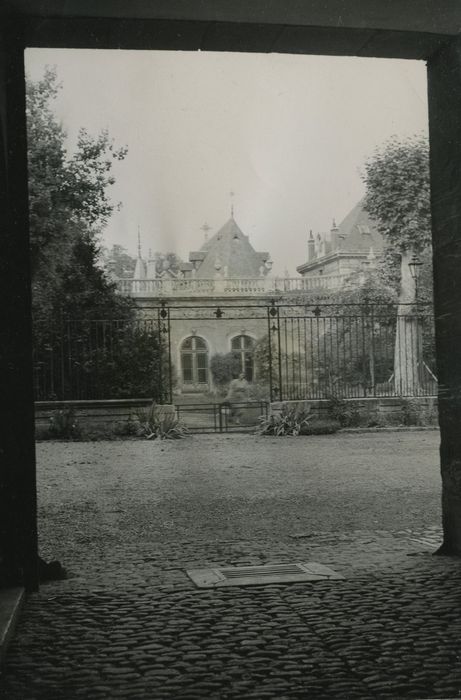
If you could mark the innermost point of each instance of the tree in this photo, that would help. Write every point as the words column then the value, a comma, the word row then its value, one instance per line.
column 167, row 262
column 283, row 366
column 118, row 261
column 224, row 368
column 397, row 198
column 87, row 342
column 122, row 265
column 69, row 205
column 359, row 338
column 266, row 360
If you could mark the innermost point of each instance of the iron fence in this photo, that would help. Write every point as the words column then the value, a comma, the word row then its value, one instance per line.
column 297, row 351
column 102, row 359
column 351, row 351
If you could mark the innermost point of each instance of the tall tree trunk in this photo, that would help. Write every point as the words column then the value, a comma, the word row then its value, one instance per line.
column 407, row 344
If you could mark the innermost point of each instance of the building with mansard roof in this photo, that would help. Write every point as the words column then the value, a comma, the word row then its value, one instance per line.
column 228, row 271
column 345, row 250
column 229, row 254
column 225, row 270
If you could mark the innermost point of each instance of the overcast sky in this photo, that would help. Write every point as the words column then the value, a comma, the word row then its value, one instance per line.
column 288, row 134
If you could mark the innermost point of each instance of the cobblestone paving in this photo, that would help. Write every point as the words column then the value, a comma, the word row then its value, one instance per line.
column 129, row 623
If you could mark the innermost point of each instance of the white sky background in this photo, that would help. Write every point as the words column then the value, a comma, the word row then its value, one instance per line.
column 288, row 134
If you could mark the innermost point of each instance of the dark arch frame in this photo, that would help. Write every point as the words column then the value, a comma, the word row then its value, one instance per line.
column 330, row 27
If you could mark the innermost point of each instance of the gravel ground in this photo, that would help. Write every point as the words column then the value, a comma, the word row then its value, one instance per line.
column 237, row 486
column 127, row 519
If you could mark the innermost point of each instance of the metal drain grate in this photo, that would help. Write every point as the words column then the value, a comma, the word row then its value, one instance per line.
column 260, row 575
column 238, row 572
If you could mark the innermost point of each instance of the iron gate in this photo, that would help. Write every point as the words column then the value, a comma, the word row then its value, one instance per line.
column 222, row 417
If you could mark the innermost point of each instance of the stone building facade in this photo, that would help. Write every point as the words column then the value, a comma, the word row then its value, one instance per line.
column 216, row 304
column 219, row 299
column 345, row 249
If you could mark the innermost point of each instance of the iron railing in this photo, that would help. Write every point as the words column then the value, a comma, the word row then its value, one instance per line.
column 299, row 351
column 351, row 351
column 102, row 359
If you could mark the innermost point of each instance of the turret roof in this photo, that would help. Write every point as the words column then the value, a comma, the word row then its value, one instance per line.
column 229, row 249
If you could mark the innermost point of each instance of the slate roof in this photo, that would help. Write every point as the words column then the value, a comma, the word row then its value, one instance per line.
column 229, row 248
column 186, row 266
column 358, row 233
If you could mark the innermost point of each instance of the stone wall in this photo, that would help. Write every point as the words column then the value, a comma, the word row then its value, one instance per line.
column 371, row 412
column 90, row 414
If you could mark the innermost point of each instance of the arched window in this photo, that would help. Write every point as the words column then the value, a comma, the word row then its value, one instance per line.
column 244, row 346
column 194, row 360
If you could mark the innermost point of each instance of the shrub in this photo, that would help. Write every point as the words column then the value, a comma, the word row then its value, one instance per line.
column 342, row 411
column 265, row 358
column 107, row 360
column 321, row 426
column 224, row 368
column 42, row 433
column 259, row 392
column 291, row 420
column 63, row 425
column 416, row 412
column 155, row 422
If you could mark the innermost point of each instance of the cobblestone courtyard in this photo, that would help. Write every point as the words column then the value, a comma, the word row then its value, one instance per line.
column 127, row 518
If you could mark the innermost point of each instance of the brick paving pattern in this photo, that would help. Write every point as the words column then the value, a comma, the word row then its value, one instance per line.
column 129, row 623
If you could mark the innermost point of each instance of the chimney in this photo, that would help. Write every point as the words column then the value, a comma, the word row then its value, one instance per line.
column 318, row 246
column 334, row 236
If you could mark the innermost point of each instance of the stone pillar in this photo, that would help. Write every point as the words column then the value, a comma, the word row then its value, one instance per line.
column 444, row 76
column 310, row 247
column 18, row 530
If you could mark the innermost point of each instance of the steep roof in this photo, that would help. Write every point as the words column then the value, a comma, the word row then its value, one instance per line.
column 231, row 250
column 140, row 269
column 358, row 233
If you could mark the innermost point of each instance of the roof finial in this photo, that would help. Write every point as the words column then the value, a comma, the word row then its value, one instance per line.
column 232, row 195
column 205, row 228
column 139, row 241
